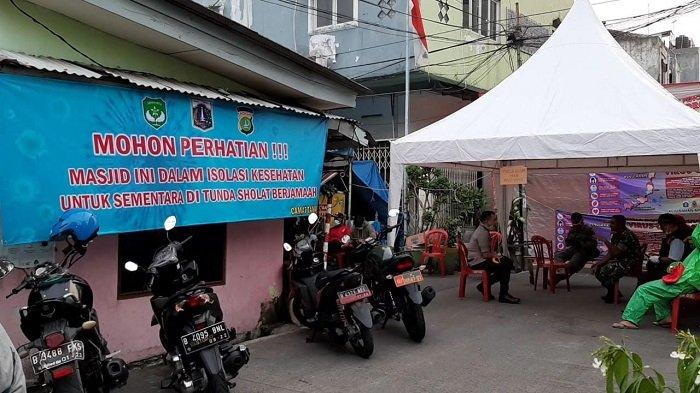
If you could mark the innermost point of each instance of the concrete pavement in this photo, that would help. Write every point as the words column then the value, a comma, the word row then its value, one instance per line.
column 542, row 345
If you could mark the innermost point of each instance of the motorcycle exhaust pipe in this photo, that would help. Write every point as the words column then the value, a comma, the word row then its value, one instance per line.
column 428, row 295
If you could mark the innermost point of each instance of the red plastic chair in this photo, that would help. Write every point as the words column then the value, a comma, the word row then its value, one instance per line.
column 465, row 271
column 636, row 271
column 496, row 239
column 676, row 308
column 435, row 247
column 544, row 259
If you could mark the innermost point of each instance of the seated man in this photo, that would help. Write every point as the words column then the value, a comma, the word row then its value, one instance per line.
column 482, row 258
column 581, row 246
column 674, row 247
column 623, row 252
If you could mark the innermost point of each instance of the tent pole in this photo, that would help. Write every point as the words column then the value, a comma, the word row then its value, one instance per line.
column 407, row 86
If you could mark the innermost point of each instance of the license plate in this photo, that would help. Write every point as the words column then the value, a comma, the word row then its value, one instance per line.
column 407, row 278
column 204, row 338
column 52, row 358
column 355, row 294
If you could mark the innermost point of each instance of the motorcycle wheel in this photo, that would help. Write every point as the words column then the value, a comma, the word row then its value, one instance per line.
column 217, row 384
column 414, row 321
column 364, row 343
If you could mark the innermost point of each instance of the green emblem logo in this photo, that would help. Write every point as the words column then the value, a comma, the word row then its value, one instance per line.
column 245, row 120
column 154, row 112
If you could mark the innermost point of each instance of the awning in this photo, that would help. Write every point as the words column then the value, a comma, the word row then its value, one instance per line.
column 141, row 80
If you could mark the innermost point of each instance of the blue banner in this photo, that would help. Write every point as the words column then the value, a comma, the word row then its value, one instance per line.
column 135, row 157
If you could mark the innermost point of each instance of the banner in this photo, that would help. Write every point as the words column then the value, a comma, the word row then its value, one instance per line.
column 646, row 193
column 136, row 156
column 646, row 229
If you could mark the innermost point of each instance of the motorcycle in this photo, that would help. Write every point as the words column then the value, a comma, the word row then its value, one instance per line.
column 66, row 350
column 394, row 281
column 200, row 349
column 331, row 301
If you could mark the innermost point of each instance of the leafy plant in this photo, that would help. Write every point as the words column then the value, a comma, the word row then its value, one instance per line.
column 625, row 372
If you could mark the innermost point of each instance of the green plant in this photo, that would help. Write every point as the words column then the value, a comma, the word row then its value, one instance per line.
column 625, row 372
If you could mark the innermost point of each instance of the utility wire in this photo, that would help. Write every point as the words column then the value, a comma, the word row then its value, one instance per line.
column 54, row 33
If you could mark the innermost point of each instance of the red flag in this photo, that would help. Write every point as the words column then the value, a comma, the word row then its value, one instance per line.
column 420, row 46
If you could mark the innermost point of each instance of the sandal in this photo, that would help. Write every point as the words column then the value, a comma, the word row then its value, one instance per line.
column 625, row 325
column 662, row 323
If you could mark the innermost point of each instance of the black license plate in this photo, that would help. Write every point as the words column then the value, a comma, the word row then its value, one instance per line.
column 52, row 358
column 204, row 338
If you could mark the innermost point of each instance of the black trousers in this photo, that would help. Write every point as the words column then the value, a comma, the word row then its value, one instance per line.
column 654, row 272
column 498, row 272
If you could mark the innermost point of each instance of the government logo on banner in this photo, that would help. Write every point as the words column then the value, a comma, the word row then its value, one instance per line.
column 245, row 120
column 154, row 112
column 202, row 114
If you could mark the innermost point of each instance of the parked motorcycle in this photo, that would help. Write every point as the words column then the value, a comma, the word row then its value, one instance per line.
column 199, row 347
column 394, row 281
column 66, row 350
column 331, row 301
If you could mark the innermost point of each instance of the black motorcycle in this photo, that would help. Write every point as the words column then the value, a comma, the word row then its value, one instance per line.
column 329, row 301
column 395, row 282
column 199, row 347
column 66, row 350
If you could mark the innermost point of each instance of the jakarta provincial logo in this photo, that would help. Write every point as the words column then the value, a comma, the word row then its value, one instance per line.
column 202, row 114
column 154, row 112
column 245, row 120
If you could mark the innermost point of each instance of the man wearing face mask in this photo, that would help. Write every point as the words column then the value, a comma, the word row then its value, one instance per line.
column 674, row 247
column 658, row 294
column 483, row 258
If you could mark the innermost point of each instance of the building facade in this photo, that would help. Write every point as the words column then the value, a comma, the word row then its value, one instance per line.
column 159, row 55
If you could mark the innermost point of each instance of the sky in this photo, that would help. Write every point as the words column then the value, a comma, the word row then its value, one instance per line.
column 688, row 24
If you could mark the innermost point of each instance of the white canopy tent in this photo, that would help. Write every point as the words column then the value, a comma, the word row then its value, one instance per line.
column 579, row 98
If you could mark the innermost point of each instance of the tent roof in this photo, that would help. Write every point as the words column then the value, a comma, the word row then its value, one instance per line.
column 579, row 96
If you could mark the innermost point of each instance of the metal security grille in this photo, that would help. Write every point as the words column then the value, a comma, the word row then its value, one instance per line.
column 378, row 154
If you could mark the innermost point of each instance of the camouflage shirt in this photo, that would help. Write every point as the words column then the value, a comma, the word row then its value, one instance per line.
column 582, row 239
column 628, row 243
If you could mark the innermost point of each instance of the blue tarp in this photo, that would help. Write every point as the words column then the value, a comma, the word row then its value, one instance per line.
column 369, row 185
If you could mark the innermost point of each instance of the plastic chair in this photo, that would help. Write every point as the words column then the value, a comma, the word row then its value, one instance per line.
column 636, row 271
column 496, row 239
column 465, row 271
column 544, row 259
column 676, row 308
column 435, row 247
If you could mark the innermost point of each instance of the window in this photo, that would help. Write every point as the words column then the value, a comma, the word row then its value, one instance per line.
column 207, row 247
column 327, row 15
column 481, row 16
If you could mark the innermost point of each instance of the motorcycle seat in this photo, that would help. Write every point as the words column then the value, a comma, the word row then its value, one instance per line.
column 324, row 278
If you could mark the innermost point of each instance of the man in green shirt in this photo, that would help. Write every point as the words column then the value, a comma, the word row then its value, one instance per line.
column 623, row 252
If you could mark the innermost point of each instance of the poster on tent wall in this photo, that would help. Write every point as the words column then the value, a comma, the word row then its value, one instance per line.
column 135, row 156
column 644, row 193
column 646, row 230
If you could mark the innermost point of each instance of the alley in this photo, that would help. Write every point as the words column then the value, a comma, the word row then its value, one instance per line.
column 542, row 345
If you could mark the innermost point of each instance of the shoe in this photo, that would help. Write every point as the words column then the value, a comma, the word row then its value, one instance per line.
column 508, row 299
column 480, row 288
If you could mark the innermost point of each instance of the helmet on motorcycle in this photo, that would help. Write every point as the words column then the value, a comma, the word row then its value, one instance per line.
column 81, row 225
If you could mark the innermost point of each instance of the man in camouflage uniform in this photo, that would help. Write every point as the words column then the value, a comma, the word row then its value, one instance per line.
column 581, row 246
column 623, row 252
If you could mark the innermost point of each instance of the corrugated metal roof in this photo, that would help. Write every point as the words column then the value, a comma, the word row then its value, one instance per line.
column 143, row 80
column 46, row 64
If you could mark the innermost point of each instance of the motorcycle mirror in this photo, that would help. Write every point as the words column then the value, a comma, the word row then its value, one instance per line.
column 345, row 239
column 5, row 268
column 131, row 266
column 313, row 217
column 287, row 247
column 170, row 223
column 393, row 212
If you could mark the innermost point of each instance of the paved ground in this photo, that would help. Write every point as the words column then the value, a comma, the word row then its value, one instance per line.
column 543, row 345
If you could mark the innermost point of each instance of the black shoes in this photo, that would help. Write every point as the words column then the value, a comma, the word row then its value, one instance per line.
column 509, row 299
column 480, row 288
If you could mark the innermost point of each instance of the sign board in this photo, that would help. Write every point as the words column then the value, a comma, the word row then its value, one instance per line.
column 644, row 193
column 513, row 175
column 135, row 156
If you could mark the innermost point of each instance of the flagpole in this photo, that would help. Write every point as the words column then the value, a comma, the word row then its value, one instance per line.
column 406, row 116
column 407, row 73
